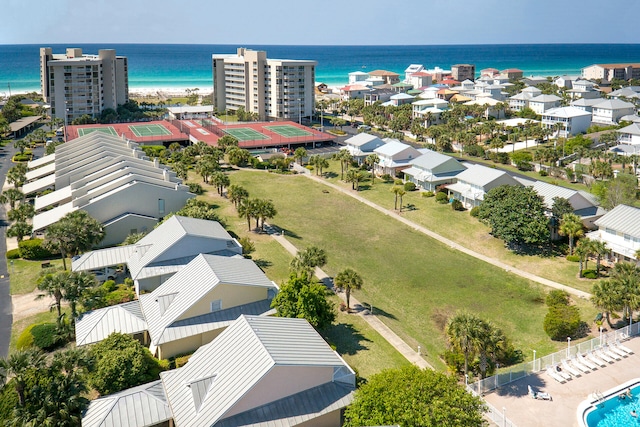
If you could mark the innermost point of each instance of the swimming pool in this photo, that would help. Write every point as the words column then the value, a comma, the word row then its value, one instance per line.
column 614, row 410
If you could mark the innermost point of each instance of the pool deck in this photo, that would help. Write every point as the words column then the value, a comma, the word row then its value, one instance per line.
column 524, row 411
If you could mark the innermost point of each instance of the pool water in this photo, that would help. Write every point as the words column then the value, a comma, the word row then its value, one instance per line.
column 616, row 412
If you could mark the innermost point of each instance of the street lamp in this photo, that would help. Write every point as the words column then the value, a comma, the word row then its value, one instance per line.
column 600, row 336
column 568, row 347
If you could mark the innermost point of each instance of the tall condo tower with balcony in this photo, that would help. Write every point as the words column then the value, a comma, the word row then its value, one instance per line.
column 273, row 89
column 75, row 84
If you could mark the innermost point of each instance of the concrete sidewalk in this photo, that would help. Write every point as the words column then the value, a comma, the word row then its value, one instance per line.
column 403, row 348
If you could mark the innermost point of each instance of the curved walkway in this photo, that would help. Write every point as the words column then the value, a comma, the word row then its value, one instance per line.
column 576, row 292
column 402, row 347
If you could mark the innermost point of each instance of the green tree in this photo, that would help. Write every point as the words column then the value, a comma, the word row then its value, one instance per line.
column 572, row 227
column 19, row 230
column 238, row 156
column 372, row 160
column 11, row 196
column 227, row 141
column 264, row 210
column 206, row 166
column 22, row 144
column 121, row 362
column 307, row 260
column 563, row 319
column 515, row 215
column 247, row 209
column 300, row 154
column 414, row 397
column 300, row 298
column 75, row 288
column 237, row 194
column 355, row 177
column 461, row 331
column 18, row 367
column 220, row 180
column 584, row 249
column 620, row 190
column 74, row 233
column 196, row 208
column 52, row 284
column 17, row 175
column 625, row 279
column 345, row 158
column 133, row 238
column 600, row 249
column 22, row 213
column 349, row 280
column 605, row 297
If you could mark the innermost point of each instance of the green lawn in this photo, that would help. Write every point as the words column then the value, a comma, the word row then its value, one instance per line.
column 23, row 274
column 413, row 282
column 465, row 230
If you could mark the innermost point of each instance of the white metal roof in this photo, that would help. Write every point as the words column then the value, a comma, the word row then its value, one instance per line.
column 142, row 406
column 482, row 175
column 361, row 139
column 171, row 300
column 39, row 184
column 94, row 326
column 44, row 170
column 101, row 258
column 53, row 198
column 623, row 219
column 430, row 160
column 219, row 374
column 41, row 161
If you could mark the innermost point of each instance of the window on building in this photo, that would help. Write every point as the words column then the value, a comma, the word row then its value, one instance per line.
column 161, row 207
column 216, row 305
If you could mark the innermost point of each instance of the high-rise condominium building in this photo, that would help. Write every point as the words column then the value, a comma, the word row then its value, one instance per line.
column 461, row 72
column 274, row 89
column 75, row 84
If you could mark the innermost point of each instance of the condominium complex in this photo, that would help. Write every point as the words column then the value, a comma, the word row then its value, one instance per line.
column 611, row 71
column 75, row 84
column 274, row 89
column 461, row 72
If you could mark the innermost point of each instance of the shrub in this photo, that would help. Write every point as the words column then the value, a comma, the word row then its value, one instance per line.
column 474, row 150
column 119, row 296
column 557, row 297
column 109, row 286
column 442, row 198
column 590, row 274
column 13, row 253
column 562, row 321
column 456, row 205
column 386, row 178
column 398, row 181
column 309, row 167
column 428, row 194
column 25, row 339
column 475, row 211
column 128, row 282
column 573, row 258
column 45, row 336
column 409, row 186
column 182, row 360
column 195, row 188
column 32, row 249
column 543, row 172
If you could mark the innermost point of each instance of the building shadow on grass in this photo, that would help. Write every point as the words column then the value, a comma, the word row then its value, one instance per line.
column 330, row 175
column 346, row 338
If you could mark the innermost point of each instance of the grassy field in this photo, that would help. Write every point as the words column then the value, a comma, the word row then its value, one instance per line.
column 359, row 344
column 467, row 231
column 413, row 282
column 24, row 274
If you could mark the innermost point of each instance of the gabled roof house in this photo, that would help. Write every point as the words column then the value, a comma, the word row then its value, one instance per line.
column 261, row 371
column 473, row 183
column 620, row 230
column 431, row 169
column 361, row 145
column 609, row 111
column 164, row 251
column 630, row 134
column 189, row 309
column 109, row 178
column 394, row 157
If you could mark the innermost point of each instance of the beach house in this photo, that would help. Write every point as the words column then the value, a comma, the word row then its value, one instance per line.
column 542, row 103
column 521, row 100
column 388, row 77
column 609, row 111
column 619, row 229
column 432, row 169
column 473, row 183
column 362, row 145
column 394, row 157
column 428, row 111
column 572, row 120
column 630, row 135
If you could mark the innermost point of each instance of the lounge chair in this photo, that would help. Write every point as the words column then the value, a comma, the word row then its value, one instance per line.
column 595, row 359
column 584, row 367
column 538, row 394
column 570, row 369
column 604, row 356
column 551, row 371
column 613, row 355
column 616, row 350
column 589, row 364
column 623, row 348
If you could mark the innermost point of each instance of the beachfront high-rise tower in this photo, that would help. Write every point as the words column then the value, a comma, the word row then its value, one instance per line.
column 75, row 84
column 274, row 89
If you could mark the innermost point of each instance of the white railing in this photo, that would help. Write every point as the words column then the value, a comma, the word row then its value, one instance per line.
column 497, row 417
column 505, row 376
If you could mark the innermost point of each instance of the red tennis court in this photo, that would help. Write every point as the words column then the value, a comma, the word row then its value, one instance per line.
column 148, row 133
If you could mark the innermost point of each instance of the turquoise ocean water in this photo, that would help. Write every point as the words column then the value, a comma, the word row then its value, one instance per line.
column 189, row 66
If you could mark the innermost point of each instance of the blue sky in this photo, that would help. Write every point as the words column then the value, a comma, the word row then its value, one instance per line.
column 303, row 22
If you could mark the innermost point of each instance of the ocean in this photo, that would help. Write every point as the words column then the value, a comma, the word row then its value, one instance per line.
column 189, row 66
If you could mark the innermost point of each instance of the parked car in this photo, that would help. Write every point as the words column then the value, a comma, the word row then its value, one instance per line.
column 103, row 274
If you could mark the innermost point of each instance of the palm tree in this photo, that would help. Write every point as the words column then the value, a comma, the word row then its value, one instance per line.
column 571, row 226
column 307, row 260
column 399, row 193
column 349, row 280
column 626, row 278
column 21, row 144
column 300, row 154
column 19, row 230
column 237, row 194
column 18, row 366
column 220, row 180
column 75, row 288
column 265, row 209
column 372, row 160
column 17, row 175
column 344, row 157
column 605, row 297
column 461, row 331
column 600, row 249
column 354, row 177
column 53, row 285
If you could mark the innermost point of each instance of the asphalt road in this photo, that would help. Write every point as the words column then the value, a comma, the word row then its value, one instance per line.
column 6, row 317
